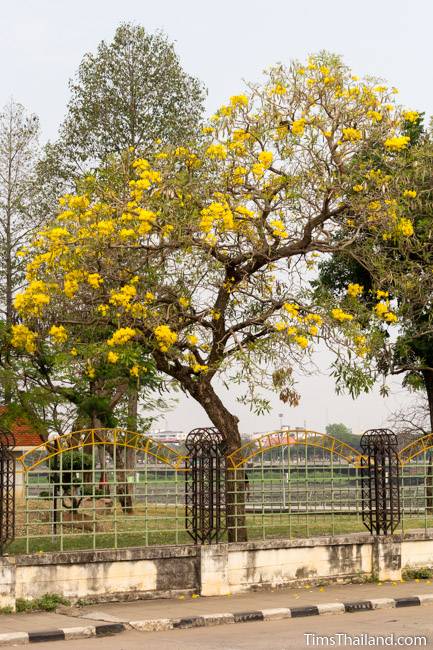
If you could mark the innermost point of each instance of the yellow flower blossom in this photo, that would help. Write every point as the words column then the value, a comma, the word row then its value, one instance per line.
column 358, row 188
column 265, row 158
column 192, row 339
column 340, row 315
column 381, row 294
column 23, row 338
column 134, row 371
column 112, row 357
column 278, row 89
column 78, row 202
column 397, row 143
column 405, row 227
column 302, row 341
column 298, row 126
column 239, row 100
column 239, row 174
column 351, row 135
column 121, row 336
column 95, row 280
column 381, row 309
column 74, row 352
column 184, row 302
column 33, row 299
column 258, row 170
column 198, row 367
column 217, row 151
column 411, row 116
column 103, row 309
column 315, row 318
column 278, row 228
column 361, row 347
column 280, row 326
column 58, row 333
column 126, row 233
column 245, row 212
column 167, row 229
column 375, row 116
column 355, row 290
column 291, row 309
column 410, row 194
column 105, row 227
column 216, row 214
column 123, row 296
column 165, row 337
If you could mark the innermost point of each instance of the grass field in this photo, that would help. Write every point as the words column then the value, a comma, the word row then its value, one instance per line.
column 156, row 525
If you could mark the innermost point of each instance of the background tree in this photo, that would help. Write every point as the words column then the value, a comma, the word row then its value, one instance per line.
column 394, row 270
column 133, row 92
column 19, row 132
column 342, row 432
column 198, row 256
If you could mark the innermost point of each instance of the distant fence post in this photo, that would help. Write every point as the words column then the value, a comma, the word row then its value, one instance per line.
column 205, row 486
column 380, row 481
column 7, row 489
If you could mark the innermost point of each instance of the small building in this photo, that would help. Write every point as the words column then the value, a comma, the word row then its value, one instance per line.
column 26, row 439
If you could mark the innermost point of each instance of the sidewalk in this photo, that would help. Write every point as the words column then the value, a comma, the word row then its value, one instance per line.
column 164, row 614
column 278, row 598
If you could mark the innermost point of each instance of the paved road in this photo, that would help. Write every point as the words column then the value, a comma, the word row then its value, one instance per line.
column 278, row 635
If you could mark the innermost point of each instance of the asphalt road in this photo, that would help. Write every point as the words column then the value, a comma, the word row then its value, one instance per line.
column 275, row 635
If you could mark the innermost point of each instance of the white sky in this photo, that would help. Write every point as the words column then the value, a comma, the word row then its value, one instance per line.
column 222, row 43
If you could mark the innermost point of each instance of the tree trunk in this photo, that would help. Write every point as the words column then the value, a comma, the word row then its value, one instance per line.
column 428, row 382
column 236, row 487
column 130, row 454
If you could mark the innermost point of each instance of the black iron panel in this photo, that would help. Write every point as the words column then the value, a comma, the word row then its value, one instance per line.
column 380, row 481
column 205, row 486
column 7, row 489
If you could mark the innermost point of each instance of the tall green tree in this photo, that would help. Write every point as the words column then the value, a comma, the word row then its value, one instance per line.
column 133, row 92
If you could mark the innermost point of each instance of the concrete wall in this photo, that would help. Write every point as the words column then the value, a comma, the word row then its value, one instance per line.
column 210, row 570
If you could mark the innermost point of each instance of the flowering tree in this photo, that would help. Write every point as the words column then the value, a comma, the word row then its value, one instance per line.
column 385, row 275
column 198, row 258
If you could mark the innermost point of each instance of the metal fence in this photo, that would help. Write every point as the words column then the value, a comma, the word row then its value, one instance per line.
column 100, row 488
column 296, row 484
column 110, row 488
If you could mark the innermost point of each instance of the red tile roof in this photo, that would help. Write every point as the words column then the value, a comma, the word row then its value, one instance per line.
column 25, row 435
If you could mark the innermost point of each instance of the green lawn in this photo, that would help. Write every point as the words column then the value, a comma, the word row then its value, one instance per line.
column 166, row 526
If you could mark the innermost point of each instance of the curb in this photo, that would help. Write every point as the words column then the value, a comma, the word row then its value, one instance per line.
column 62, row 634
column 209, row 620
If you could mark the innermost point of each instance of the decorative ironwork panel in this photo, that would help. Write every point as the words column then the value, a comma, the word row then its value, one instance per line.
column 380, row 481
column 205, row 486
column 7, row 489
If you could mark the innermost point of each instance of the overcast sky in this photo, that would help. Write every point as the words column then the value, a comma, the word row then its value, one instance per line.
column 223, row 43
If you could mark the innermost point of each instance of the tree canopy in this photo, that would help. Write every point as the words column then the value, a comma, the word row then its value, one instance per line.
column 198, row 256
column 133, row 92
column 385, row 277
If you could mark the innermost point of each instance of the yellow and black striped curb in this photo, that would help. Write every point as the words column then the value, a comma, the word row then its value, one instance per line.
column 209, row 620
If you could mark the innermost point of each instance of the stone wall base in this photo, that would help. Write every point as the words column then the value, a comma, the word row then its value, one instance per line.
column 216, row 570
